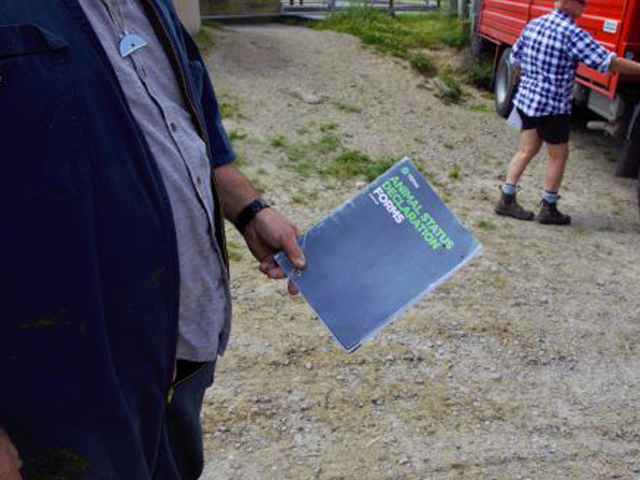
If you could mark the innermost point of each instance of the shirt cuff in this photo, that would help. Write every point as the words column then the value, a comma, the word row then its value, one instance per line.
column 222, row 159
column 604, row 68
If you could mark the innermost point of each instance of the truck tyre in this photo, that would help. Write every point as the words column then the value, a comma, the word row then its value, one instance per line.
column 503, row 85
column 629, row 164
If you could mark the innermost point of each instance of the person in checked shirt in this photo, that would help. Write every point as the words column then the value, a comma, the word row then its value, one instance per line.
column 545, row 59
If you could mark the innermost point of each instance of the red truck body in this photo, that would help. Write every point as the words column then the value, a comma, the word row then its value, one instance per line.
column 614, row 23
column 615, row 98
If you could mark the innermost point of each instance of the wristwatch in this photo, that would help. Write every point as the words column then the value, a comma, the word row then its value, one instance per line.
column 248, row 213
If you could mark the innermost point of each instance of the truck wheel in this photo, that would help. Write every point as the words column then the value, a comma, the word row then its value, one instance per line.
column 629, row 165
column 503, row 85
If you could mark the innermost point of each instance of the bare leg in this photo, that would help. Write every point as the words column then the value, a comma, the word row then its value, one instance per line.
column 530, row 144
column 558, row 155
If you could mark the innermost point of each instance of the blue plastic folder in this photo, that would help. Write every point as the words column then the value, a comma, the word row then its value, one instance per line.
column 377, row 254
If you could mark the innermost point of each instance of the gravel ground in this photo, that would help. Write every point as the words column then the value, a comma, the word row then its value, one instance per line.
column 525, row 365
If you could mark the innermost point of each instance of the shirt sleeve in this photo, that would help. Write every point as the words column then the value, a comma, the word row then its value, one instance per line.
column 222, row 152
column 516, row 50
column 584, row 48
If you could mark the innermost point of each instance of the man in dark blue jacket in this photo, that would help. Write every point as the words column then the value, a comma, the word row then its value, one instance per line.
column 114, row 287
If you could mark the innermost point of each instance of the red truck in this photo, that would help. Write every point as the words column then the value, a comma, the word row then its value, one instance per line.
column 614, row 23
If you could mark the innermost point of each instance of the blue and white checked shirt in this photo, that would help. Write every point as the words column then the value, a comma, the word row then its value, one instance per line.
column 548, row 51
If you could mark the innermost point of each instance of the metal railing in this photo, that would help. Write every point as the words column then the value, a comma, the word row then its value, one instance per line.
column 221, row 9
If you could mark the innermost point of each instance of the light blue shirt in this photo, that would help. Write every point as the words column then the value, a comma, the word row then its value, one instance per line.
column 157, row 103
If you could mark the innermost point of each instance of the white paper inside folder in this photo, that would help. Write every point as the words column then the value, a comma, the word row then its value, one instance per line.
column 514, row 119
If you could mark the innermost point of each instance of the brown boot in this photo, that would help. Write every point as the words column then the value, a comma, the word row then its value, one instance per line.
column 550, row 215
column 509, row 207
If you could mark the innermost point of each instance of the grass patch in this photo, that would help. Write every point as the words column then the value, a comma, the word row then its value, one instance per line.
column 478, row 73
column 484, row 224
column 318, row 157
column 423, row 64
column 353, row 163
column 278, row 141
column 347, row 108
column 454, row 172
column 399, row 34
column 230, row 108
column 328, row 127
column 326, row 144
column 236, row 135
column 449, row 88
column 479, row 107
column 304, row 155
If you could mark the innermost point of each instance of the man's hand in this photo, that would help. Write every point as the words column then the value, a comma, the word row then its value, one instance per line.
column 9, row 461
column 268, row 233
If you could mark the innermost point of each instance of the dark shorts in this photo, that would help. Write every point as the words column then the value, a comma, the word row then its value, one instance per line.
column 553, row 129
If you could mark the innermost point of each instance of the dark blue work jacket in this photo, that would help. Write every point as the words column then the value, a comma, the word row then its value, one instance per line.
column 88, row 259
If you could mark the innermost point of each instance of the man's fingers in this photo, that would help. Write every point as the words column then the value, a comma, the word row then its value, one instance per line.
column 293, row 251
column 293, row 290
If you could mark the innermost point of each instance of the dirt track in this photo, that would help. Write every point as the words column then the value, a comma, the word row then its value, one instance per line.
column 525, row 365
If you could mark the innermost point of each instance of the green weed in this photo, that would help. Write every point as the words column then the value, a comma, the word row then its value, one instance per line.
column 347, row 108
column 236, row 135
column 455, row 172
column 230, row 108
column 479, row 107
column 423, row 64
column 328, row 127
column 399, row 34
column 478, row 72
column 278, row 141
column 451, row 91
column 326, row 144
column 484, row 224
column 352, row 163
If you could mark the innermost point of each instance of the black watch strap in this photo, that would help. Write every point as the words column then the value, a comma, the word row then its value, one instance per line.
column 248, row 213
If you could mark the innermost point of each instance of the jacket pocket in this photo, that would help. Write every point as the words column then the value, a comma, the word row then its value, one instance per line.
column 43, row 150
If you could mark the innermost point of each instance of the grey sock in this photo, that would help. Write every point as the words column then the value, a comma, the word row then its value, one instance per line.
column 509, row 188
column 550, row 197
